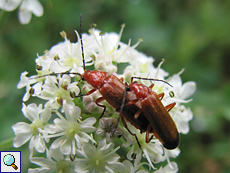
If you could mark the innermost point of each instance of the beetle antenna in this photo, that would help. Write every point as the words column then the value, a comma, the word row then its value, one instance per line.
column 82, row 50
column 121, row 109
column 123, row 104
column 74, row 73
column 151, row 80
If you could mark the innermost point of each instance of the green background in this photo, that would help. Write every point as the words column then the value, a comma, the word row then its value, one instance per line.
column 190, row 34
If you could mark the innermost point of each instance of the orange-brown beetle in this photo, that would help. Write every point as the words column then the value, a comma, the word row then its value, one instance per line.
column 146, row 112
column 158, row 117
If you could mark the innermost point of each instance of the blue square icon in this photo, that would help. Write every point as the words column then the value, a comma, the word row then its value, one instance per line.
column 10, row 161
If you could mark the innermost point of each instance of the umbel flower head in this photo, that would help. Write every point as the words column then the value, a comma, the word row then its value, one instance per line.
column 73, row 107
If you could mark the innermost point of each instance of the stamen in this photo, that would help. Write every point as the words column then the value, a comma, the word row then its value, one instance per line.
column 120, row 34
column 139, row 41
column 63, row 34
column 158, row 67
column 60, row 116
column 180, row 72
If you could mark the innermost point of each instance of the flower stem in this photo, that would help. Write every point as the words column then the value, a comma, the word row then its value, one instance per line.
column 6, row 145
column 2, row 12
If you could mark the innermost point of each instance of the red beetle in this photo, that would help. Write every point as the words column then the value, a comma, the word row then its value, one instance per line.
column 156, row 113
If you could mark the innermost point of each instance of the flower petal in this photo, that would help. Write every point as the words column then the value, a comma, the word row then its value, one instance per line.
column 45, row 114
column 39, row 144
column 43, row 162
column 36, row 8
column 21, row 127
column 31, row 111
column 58, row 142
column 187, row 90
column 81, row 165
column 21, row 138
column 11, row 5
column 66, row 147
column 24, row 15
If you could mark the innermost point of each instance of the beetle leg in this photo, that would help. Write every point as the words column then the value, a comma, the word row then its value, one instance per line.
column 137, row 114
column 125, row 125
column 121, row 79
column 161, row 95
column 122, row 118
column 151, row 86
column 131, row 79
column 147, row 139
column 132, row 102
column 88, row 93
column 97, row 102
column 170, row 106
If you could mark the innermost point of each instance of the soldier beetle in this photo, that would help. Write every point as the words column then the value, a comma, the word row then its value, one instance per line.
column 146, row 112
column 112, row 90
column 159, row 119
column 142, row 107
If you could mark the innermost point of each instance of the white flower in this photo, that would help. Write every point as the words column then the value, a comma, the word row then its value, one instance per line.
column 24, row 132
column 107, row 49
column 55, row 162
column 100, row 158
column 130, row 168
column 59, row 89
column 180, row 114
column 67, row 55
column 64, row 56
column 25, row 81
column 59, row 83
column 109, row 128
column 173, row 168
column 35, row 90
column 181, row 91
column 26, row 8
column 152, row 151
column 89, row 101
column 72, row 132
column 9, row 5
column 142, row 66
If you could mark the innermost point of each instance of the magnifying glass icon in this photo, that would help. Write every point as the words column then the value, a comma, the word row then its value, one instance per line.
column 9, row 160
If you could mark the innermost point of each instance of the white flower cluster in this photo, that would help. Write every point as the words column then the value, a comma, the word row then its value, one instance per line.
column 27, row 7
column 79, row 142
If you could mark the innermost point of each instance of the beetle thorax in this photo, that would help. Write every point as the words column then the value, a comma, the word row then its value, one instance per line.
column 141, row 91
column 94, row 78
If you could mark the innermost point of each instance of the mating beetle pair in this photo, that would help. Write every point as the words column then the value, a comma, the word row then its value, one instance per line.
column 135, row 102
column 142, row 106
